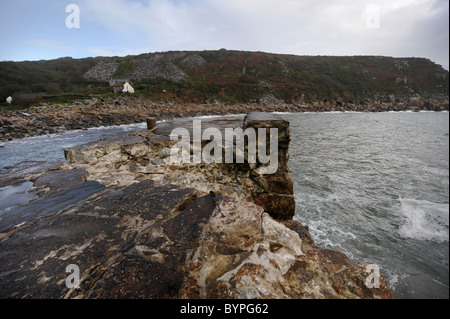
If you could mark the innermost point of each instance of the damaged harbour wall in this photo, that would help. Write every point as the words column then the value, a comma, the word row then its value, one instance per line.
column 148, row 228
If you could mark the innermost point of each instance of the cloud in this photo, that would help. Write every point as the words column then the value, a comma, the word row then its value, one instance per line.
column 326, row 27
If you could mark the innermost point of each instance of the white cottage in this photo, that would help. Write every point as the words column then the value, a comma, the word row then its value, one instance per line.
column 121, row 85
column 127, row 88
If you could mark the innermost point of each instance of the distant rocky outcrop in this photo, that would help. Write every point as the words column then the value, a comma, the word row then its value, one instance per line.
column 269, row 99
column 103, row 71
column 193, row 61
column 157, row 69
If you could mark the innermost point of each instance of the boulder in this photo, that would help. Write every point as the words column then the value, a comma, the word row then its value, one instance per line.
column 151, row 123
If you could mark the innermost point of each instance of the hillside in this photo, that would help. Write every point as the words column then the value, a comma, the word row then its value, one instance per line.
column 229, row 77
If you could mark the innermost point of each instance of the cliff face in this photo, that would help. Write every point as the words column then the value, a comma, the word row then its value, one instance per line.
column 141, row 227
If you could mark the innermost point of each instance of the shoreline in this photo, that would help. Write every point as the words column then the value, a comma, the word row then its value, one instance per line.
column 95, row 113
column 113, row 126
column 4, row 141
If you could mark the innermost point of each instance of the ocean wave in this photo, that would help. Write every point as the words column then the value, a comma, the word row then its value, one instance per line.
column 395, row 278
column 218, row 116
column 424, row 220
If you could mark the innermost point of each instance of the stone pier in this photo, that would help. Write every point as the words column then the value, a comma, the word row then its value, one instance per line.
column 277, row 192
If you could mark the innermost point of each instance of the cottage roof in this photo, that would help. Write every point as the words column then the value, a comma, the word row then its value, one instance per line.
column 120, row 80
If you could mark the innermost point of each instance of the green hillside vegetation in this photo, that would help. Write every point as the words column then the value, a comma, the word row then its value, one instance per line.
column 235, row 77
column 125, row 69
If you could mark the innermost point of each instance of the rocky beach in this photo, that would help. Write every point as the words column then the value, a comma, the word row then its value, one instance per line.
column 138, row 226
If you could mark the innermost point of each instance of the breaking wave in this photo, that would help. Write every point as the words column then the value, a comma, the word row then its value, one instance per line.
column 425, row 220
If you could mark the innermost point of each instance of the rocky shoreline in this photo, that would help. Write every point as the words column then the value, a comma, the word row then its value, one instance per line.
column 57, row 118
column 138, row 226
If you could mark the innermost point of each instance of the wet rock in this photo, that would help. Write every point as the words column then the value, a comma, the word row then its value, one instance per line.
column 134, row 277
column 149, row 241
column 16, row 193
column 99, row 235
column 26, row 169
column 61, row 179
column 48, row 205
column 185, row 228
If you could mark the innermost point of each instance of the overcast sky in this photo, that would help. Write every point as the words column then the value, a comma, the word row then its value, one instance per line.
column 34, row 30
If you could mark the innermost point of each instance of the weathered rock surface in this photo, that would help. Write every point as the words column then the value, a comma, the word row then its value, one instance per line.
column 139, row 227
column 61, row 179
column 144, row 241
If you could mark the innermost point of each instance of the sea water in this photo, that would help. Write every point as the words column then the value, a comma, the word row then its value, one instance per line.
column 51, row 147
column 375, row 186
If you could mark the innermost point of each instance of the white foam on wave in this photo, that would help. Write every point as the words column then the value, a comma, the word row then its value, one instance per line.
column 425, row 220
column 218, row 116
column 331, row 237
column 395, row 278
column 125, row 127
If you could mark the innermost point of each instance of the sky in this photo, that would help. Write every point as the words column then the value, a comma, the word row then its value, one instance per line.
column 42, row 29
